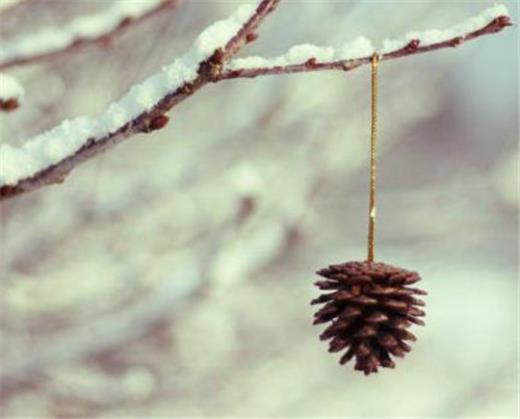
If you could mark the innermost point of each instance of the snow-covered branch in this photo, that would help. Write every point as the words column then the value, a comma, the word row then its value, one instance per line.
column 102, row 26
column 11, row 93
column 308, row 57
column 49, row 157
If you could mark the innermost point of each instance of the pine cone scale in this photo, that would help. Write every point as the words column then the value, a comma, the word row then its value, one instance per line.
column 418, row 322
column 377, row 317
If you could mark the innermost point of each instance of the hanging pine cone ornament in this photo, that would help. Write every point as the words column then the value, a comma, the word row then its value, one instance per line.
column 370, row 307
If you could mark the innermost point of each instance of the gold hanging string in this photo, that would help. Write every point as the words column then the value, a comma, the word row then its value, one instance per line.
column 373, row 160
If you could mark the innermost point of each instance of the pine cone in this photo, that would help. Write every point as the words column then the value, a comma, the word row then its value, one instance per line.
column 371, row 308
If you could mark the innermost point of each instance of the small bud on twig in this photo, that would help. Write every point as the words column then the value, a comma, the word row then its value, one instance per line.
column 455, row 42
column 158, row 123
column 9, row 104
column 187, row 89
column 311, row 63
column 412, row 45
column 251, row 37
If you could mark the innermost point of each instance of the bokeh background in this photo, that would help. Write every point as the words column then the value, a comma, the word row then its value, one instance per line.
column 172, row 275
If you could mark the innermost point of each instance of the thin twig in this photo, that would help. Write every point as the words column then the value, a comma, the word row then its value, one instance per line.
column 15, row 53
column 412, row 48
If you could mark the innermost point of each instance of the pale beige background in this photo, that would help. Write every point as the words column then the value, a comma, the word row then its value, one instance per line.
column 138, row 289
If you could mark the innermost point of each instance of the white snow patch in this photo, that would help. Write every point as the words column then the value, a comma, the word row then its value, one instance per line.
column 435, row 36
column 358, row 48
column 221, row 32
column 15, row 163
column 52, row 39
column 10, row 88
column 52, row 146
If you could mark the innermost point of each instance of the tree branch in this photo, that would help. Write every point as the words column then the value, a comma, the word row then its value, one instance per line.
column 304, row 58
column 98, row 28
column 49, row 157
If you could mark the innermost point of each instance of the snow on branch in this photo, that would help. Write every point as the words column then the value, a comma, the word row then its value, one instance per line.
column 308, row 57
column 11, row 93
column 51, row 41
column 47, row 158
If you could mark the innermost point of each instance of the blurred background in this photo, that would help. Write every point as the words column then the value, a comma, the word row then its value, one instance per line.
column 171, row 276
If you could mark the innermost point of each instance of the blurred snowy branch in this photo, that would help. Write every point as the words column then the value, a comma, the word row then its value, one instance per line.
column 8, row 5
column 116, row 329
column 97, row 28
column 51, row 42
